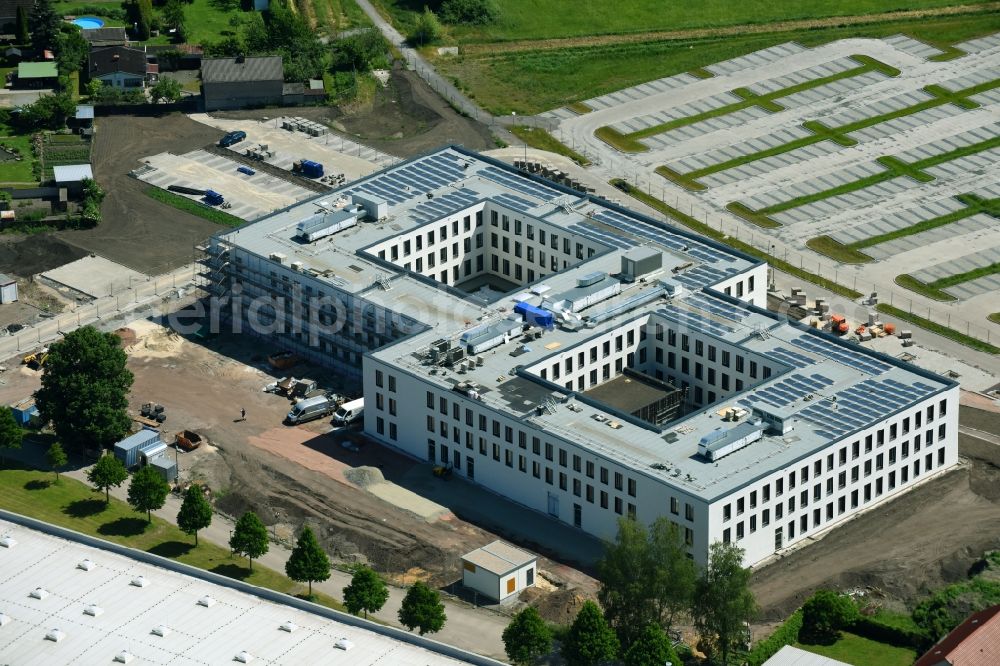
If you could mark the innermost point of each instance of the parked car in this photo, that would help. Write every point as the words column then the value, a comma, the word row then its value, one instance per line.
column 232, row 137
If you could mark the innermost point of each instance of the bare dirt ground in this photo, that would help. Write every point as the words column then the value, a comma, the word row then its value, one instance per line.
column 406, row 118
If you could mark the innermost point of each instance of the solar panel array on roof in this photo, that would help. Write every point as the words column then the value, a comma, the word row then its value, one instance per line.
column 661, row 236
column 863, row 404
column 515, row 202
column 790, row 357
column 521, row 184
column 719, row 307
column 694, row 321
column 849, row 358
column 789, row 389
column 601, row 236
column 703, row 275
column 435, row 209
column 414, row 179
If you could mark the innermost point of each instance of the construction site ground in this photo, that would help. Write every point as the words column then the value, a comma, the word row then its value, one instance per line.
column 379, row 506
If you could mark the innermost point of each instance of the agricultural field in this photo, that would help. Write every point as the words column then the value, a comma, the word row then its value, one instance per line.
column 60, row 150
column 881, row 155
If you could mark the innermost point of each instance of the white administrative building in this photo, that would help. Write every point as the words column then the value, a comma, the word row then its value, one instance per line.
column 584, row 360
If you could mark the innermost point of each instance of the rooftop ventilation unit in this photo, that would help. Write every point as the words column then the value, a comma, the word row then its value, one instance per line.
column 39, row 593
column 140, row 581
column 161, row 630
column 206, row 601
column 721, row 443
column 124, row 657
column 277, row 257
column 243, row 657
column 343, row 644
column 7, row 541
column 289, row 626
column 93, row 610
column 55, row 635
column 322, row 224
column 640, row 261
column 4, row 619
column 86, row 565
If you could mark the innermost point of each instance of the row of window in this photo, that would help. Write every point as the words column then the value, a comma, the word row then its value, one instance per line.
column 820, row 515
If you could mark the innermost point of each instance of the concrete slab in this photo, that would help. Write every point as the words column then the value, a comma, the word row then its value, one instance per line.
column 94, row 276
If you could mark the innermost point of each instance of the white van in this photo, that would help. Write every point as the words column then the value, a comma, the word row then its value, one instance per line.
column 310, row 409
column 349, row 412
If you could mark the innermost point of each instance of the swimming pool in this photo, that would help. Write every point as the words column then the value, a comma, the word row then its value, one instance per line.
column 89, row 22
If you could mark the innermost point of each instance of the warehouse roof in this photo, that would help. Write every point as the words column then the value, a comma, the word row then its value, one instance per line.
column 241, row 69
column 499, row 558
column 95, row 602
column 72, row 173
column 37, row 70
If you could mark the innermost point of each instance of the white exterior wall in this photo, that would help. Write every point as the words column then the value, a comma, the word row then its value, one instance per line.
column 8, row 293
column 700, row 522
column 122, row 80
column 750, row 286
column 490, row 585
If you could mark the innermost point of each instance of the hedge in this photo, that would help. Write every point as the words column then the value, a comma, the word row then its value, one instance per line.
column 870, row 627
column 786, row 634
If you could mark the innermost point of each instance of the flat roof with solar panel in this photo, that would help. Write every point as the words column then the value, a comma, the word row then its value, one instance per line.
column 527, row 296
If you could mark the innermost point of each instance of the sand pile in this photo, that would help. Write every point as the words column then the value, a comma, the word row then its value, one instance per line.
column 364, row 477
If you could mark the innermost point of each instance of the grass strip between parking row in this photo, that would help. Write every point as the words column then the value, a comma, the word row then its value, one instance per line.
column 194, row 207
column 539, row 138
column 579, row 108
column 767, row 100
column 994, row 317
column 935, row 289
column 820, row 132
column 76, row 506
column 907, row 281
column 850, row 254
column 938, row 329
column 705, row 230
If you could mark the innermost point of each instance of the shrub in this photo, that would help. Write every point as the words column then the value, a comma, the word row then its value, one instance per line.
column 876, row 630
column 784, row 635
column 470, row 12
column 427, row 28
column 824, row 614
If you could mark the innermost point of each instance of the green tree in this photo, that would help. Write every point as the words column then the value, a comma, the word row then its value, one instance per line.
column 646, row 578
column 361, row 51
column 249, row 537
column 308, row 562
column 22, row 30
column 173, row 16
column 651, row 647
column 590, row 640
column 56, row 458
column 93, row 88
column 44, row 23
column 367, row 592
column 195, row 512
column 168, row 90
column 723, row 602
column 147, row 491
column 422, row 608
column 11, row 433
column 85, row 388
column 527, row 637
column 254, row 34
column 107, row 473
column 824, row 614
column 71, row 49
column 141, row 15
column 426, row 29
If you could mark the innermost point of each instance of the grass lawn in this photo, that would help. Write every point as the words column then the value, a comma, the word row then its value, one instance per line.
column 12, row 171
column 936, row 288
column 852, row 649
column 76, row 506
column 994, row 317
column 539, row 138
column 530, row 19
column 194, row 207
column 939, row 329
column 534, row 81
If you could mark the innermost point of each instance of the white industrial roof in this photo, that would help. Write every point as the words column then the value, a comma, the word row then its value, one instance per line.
column 499, row 558
column 72, row 173
column 793, row 656
column 195, row 634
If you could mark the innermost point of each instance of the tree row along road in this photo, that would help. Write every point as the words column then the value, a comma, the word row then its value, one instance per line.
column 501, row 48
column 475, row 630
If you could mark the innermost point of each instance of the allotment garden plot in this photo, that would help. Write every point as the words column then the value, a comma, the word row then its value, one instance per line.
column 881, row 152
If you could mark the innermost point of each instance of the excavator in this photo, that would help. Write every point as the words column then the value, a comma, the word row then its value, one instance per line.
column 36, row 360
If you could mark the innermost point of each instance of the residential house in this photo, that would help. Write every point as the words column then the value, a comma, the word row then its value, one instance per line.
column 99, row 37
column 234, row 83
column 975, row 642
column 119, row 66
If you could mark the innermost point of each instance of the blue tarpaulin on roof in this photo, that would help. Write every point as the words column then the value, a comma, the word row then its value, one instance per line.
column 534, row 315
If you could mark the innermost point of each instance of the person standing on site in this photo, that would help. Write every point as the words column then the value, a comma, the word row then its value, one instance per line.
column 243, row 414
